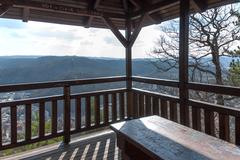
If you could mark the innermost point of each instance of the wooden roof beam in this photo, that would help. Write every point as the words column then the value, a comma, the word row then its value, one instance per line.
column 64, row 9
column 4, row 6
column 137, row 30
column 135, row 3
column 199, row 5
column 3, row 10
column 125, row 5
column 115, row 31
column 154, row 7
column 93, row 4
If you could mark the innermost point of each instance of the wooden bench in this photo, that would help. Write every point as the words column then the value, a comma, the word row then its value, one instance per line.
column 158, row 138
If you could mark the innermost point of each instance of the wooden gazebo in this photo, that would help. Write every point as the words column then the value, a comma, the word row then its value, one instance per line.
column 131, row 16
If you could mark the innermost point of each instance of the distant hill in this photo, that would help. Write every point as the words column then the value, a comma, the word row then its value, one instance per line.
column 24, row 69
column 51, row 68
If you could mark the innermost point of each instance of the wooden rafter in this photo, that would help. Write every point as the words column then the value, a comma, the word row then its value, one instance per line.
column 200, row 5
column 5, row 5
column 3, row 10
column 93, row 4
column 125, row 5
column 65, row 9
column 154, row 7
column 135, row 3
column 137, row 30
column 115, row 31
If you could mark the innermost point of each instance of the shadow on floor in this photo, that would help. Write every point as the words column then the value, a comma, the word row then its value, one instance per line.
column 96, row 148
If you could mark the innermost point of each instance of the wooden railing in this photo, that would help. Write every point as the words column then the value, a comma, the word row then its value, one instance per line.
column 111, row 99
column 101, row 108
column 216, row 120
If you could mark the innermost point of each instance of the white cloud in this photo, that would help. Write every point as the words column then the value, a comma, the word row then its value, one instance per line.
column 35, row 38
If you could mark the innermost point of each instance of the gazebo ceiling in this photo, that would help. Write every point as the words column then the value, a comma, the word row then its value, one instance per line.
column 95, row 13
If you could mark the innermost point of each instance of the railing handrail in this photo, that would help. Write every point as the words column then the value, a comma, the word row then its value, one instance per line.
column 219, row 89
column 164, row 82
column 161, row 95
column 56, row 84
column 214, row 88
column 215, row 107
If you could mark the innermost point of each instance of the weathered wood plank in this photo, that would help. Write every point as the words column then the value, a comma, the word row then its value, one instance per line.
column 88, row 112
column 13, row 124
column 41, row 119
column 224, row 127
column 141, row 105
column 237, row 130
column 155, row 106
column 196, row 118
column 122, row 105
column 28, row 122
column 67, row 114
column 183, row 61
column 164, row 108
column 0, row 127
column 209, row 122
column 97, row 109
column 148, row 106
column 78, row 113
column 114, row 107
column 54, row 117
column 173, row 111
column 135, row 105
column 160, row 138
column 106, row 108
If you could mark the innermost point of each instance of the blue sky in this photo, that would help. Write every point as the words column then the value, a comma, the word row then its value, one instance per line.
column 36, row 38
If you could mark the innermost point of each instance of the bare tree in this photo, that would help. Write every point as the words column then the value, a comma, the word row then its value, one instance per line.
column 212, row 35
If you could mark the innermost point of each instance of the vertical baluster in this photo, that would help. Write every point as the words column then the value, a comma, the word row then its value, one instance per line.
column 130, row 104
column 114, row 107
column 173, row 111
column 141, row 105
column 121, row 105
column 155, row 106
column 41, row 119
column 78, row 113
column 13, row 124
column 164, row 108
column 237, row 130
column 224, row 127
column 196, row 118
column 67, row 115
column 209, row 122
column 106, row 108
column 135, row 105
column 54, row 117
column 28, row 121
column 148, row 106
column 97, row 109
column 88, row 112
column 0, row 126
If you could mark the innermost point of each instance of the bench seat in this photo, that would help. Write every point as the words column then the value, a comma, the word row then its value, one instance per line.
column 158, row 138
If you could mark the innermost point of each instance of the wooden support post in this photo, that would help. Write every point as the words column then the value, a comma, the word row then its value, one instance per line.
column 129, row 69
column 67, row 114
column 183, row 61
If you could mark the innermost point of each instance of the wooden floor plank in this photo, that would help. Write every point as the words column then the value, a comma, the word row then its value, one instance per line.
column 102, row 146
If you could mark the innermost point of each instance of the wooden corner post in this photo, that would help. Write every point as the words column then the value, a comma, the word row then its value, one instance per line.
column 183, row 61
column 129, row 69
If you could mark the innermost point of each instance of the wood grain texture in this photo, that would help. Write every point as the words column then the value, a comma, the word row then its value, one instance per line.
column 178, row 142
